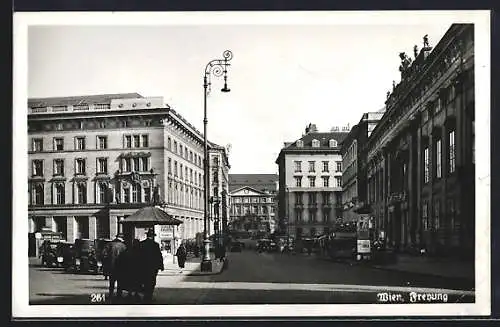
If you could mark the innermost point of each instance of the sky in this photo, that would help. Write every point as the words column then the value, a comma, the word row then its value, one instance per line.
column 282, row 76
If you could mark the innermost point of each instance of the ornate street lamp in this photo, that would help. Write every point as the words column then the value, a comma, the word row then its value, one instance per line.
column 218, row 68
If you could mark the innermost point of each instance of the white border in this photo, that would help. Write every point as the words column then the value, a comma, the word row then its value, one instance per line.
column 481, row 19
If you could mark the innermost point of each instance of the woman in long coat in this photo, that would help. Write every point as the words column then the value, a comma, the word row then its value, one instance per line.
column 181, row 256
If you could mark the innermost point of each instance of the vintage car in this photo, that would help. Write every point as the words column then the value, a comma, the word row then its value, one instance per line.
column 235, row 246
column 63, row 251
column 48, row 253
column 266, row 245
column 85, row 259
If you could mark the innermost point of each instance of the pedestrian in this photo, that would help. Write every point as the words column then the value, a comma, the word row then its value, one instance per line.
column 129, row 264
column 181, row 256
column 152, row 261
column 113, row 251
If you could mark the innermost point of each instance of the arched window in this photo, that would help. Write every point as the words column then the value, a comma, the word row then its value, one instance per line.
column 169, row 143
column 333, row 143
column 59, row 193
column 136, row 193
column 39, row 194
column 315, row 143
column 103, row 189
column 82, row 193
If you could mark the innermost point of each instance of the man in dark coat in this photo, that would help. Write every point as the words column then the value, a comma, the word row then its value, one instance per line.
column 111, row 254
column 152, row 260
column 181, row 256
column 129, row 265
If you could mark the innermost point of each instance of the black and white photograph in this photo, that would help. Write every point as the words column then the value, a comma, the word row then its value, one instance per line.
column 239, row 164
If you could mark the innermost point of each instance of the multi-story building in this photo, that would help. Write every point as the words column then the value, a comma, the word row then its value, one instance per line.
column 420, row 157
column 353, row 180
column 94, row 160
column 219, row 188
column 310, row 182
column 253, row 201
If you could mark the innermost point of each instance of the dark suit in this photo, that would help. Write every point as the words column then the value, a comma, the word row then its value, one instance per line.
column 152, row 261
column 112, row 252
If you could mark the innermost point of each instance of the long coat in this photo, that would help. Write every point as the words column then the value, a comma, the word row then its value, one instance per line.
column 152, row 258
column 111, row 254
column 181, row 256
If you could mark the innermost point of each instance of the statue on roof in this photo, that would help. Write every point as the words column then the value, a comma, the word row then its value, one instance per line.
column 388, row 94
column 415, row 50
column 393, row 85
column 426, row 40
column 405, row 62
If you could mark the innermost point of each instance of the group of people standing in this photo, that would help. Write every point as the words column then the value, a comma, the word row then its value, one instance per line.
column 133, row 268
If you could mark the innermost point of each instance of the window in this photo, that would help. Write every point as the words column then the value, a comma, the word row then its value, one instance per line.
column 298, row 198
column 128, row 141
column 338, row 181
column 37, row 145
column 300, row 143
column 312, row 181
column 102, row 165
column 311, row 167
column 315, row 143
column 191, row 156
column 325, row 166
column 298, row 181
column 437, row 211
column 147, row 195
column 325, row 181
column 137, row 143
column 170, row 165
column 81, row 193
column 145, row 141
column 191, row 175
column 332, row 143
column 136, row 164
column 426, row 165
column 181, row 150
column 145, row 166
column 339, row 167
column 58, row 144
column 425, row 218
column 169, row 143
column 175, row 168
column 136, row 193
column 39, row 194
column 103, row 189
column 102, row 142
column 425, row 115
column 312, row 198
column 175, row 146
column 37, row 167
column 181, row 171
column 80, row 166
column 451, row 157
column 80, row 143
column 298, row 166
column 59, row 194
column 438, row 158
column 127, row 163
column 58, row 167
column 326, row 198
column 126, row 195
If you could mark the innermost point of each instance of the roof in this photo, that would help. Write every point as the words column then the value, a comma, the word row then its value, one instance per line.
column 323, row 138
column 82, row 99
column 259, row 182
column 153, row 215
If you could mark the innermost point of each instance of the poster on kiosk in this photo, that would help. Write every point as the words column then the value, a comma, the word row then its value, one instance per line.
column 363, row 243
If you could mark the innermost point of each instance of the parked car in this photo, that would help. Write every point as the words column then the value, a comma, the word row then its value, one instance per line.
column 235, row 247
column 48, row 253
column 85, row 257
column 62, row 251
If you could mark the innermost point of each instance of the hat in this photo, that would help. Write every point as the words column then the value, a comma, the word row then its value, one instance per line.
column 120, row 235
column 150, row 232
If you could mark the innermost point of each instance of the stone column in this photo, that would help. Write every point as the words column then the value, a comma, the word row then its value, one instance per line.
column 92, row 227
column 113, row 226
column 70, row 229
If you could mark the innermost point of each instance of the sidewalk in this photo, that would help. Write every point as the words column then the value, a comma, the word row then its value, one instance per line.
column 191, row 268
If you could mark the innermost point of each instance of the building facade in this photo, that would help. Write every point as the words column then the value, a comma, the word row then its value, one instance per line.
column 253, row 202
column 94, row 160
column 219, row 188
column 353, row 180
column 420, row 157
column 310, row 183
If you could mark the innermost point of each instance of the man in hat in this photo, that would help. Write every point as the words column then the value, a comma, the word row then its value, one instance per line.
column 152, row 260
column 111, row 254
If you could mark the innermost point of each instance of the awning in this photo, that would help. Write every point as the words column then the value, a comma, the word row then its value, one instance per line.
column 152, row 215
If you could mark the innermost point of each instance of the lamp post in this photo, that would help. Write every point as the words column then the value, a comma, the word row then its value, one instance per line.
column 218, row 68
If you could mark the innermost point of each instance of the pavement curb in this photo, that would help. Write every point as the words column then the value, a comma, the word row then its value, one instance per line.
column 217, row 268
